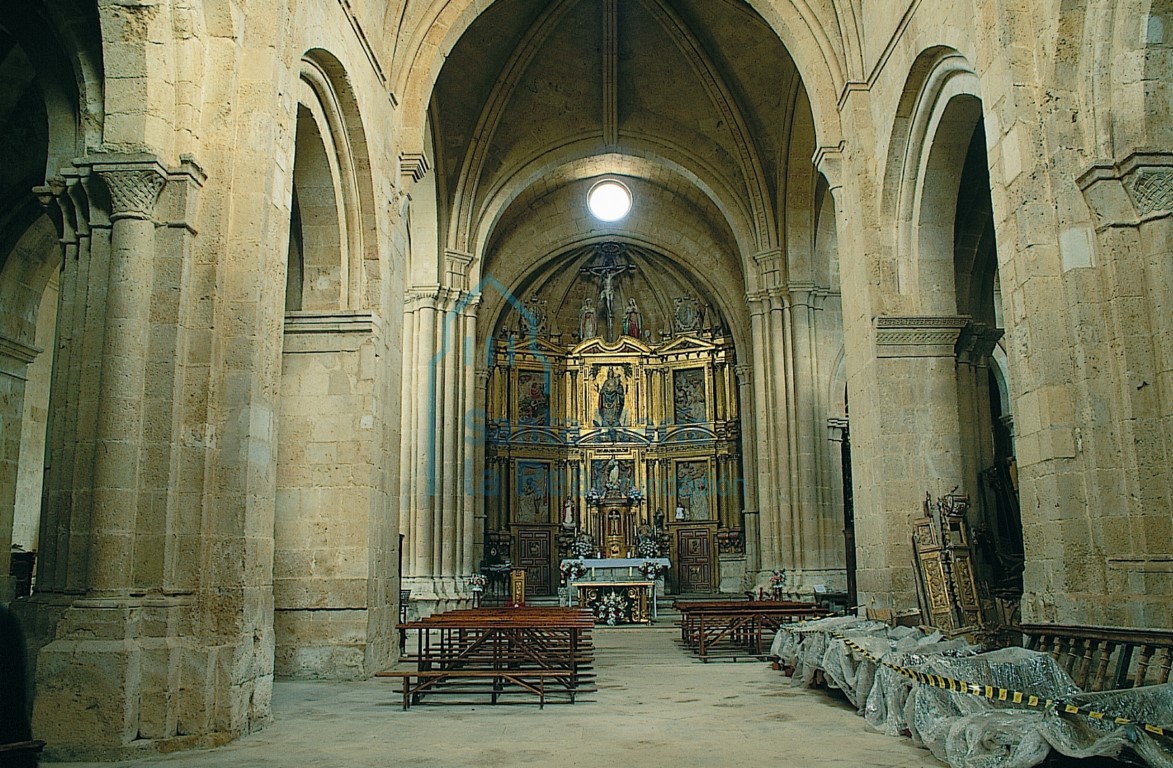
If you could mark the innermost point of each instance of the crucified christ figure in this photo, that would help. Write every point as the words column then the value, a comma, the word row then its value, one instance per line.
column 607, row 272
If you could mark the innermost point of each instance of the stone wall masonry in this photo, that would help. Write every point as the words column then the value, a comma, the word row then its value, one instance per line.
column 326, row 494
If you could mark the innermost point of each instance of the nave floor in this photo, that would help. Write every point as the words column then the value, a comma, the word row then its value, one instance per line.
column 656, row 706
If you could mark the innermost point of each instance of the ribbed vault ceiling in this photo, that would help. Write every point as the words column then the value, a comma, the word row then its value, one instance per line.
column 693, row 97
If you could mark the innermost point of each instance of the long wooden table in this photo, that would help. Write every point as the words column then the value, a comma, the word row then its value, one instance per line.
column 498, row 651
column 738, row 628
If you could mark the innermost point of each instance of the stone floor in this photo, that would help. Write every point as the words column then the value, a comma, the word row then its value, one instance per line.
column 655, row 706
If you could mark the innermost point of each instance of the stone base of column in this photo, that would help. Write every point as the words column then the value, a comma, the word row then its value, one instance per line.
column 332, row 644
column 125, row 679
column 436, row 594
column 734, row 577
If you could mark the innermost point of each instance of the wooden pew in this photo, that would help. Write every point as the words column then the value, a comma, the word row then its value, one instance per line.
column 1105, row 658
column 529, row 680
column 500, row 650
column 738, row 628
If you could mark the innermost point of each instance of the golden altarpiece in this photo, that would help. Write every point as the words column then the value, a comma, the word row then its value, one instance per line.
column 612, row 418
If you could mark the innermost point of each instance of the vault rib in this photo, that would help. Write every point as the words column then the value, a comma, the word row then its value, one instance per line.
column 749, row 160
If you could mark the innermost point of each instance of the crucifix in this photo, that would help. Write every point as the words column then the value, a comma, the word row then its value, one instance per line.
column 607, row 272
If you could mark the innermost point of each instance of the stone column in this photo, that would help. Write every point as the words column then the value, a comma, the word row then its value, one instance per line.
column 472, row 460
column 419, row 442
column 479, row 473
column 15, row 358
column 811, row 554
column 766, row 500
column 450, row 434
column 749, row 430
column 779, row 414
column 134, row 188
column 1123, row 409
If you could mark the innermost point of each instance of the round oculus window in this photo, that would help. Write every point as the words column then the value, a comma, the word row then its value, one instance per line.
column 609, row 200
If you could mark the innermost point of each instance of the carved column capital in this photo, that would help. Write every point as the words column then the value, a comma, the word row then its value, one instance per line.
column 1140, row 185
column 975, row 343
column 134, row 187
column 744, row 373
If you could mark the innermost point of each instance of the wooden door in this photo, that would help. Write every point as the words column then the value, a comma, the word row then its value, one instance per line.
column 534, row 552
column 694, row 560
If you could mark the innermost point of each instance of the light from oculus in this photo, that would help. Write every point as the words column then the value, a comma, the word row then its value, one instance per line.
column 609, row 201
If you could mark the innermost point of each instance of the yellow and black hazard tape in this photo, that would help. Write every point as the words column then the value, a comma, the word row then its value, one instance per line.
column 995, row 693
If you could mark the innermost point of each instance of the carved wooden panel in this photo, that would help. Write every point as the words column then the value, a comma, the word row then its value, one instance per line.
column 694, row 554
column 535, row 547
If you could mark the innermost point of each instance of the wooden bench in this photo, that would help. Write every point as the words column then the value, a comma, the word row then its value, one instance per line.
column 738, row 628
column 500, row 650
column 430, row 680
column 1105, row 658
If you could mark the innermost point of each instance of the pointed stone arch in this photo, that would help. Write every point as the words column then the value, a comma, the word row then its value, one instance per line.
column 936, row 115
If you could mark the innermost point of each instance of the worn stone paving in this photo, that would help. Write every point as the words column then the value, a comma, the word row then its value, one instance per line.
column 655, row 706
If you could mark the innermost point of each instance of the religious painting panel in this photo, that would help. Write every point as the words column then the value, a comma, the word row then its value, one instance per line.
column 688, row 392
column 612, row 474
column 533, row 398
column 694, row 491
column 532, row 504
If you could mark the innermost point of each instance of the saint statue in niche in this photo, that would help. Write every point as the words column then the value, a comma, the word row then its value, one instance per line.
column 588, row 324
column 613, row 474
column 632, row 320
column 568, row 514
column 612, row 396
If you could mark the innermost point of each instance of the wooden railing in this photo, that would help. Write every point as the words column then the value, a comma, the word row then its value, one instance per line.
column 1105, row 658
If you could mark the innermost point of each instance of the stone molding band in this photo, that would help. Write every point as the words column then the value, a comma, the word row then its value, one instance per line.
column 919, row 336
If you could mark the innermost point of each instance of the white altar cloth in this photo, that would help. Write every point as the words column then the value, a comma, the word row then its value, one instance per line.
column 601, row 569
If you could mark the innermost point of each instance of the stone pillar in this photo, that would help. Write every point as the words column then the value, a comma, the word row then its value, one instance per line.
column 128, row 657
column 419, row 442
column 749, row 430
column 1123, row 417
column 765, row 442
column 915, row 448
column 483, row 488
column 15, row 358
column 134, row 188
column 472, row 458
column 811, row 555
column 974, row 346
column 444, row 442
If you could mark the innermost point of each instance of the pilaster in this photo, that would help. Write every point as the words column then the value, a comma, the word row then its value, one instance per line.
column 908, row 443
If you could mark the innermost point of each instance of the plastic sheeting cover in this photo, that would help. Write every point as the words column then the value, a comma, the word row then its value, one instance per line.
column 968, row 731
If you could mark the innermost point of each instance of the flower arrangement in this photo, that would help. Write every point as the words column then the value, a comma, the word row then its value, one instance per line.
column 478, row 582
column 651, row 570
column 647, row 547
column 581, row 547
column 611, row 609
column 778, row 578
column 572, row 569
